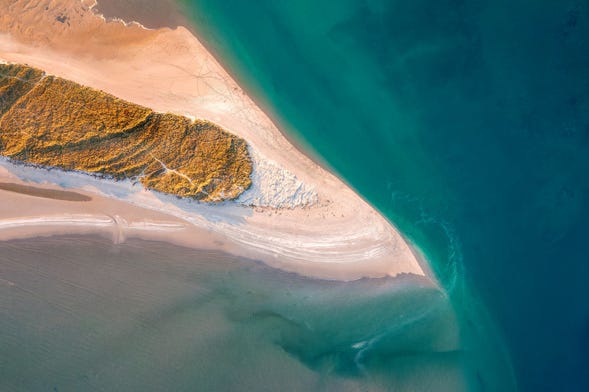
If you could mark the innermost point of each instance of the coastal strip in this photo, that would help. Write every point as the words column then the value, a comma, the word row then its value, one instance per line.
column 296, row 215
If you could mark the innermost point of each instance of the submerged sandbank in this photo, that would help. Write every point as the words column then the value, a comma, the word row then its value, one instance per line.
column 149, row 316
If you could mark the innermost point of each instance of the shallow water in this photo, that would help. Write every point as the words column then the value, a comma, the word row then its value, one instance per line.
column 466, row 124
column 81, row 313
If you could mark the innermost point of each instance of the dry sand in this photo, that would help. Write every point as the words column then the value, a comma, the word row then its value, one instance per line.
column 338, row 236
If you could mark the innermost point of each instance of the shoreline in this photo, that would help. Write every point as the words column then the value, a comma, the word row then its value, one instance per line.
column 181, row 20
column 340, row 237
column 120, row 220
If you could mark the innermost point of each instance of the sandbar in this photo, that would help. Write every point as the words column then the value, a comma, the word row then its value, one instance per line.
column 297, row 215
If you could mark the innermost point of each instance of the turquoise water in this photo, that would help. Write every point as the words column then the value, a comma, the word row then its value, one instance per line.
column 465, row 123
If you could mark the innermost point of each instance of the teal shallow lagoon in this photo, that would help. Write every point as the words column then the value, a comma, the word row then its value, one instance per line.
column 466, row 124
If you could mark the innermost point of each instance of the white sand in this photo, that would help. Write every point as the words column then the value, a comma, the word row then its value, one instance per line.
column 305, row 220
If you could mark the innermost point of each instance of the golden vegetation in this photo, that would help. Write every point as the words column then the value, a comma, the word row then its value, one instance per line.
column 15, row 81
column 54, row 122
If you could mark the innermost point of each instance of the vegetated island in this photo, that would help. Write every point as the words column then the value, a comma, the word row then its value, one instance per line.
column 49, row 121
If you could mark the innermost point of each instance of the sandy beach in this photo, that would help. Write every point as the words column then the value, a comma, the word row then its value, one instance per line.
column 297, row 216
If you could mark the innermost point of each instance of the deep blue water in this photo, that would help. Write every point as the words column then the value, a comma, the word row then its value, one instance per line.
column 467, row 124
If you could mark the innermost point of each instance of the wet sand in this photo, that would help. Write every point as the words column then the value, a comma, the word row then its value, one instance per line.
column 42, row 192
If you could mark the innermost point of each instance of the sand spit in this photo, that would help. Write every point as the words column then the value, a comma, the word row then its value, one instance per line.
column 298, row 216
